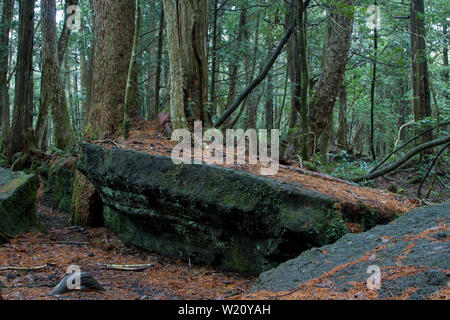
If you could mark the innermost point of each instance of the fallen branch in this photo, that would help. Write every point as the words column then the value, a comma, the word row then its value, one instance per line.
column 12, row 268
column 134, row 267
column 406, row 143
column 405, row 158
column 69, row 243
column 433, row 163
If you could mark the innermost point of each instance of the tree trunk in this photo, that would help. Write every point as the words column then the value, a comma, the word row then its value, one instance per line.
column 113, row 25
column 156, row 108
column 293, row 56
column 342, row 131
column 334, row 60
column 5, row 28
column 304, row 78
column 24, row 73
column 421, row 86
column 132, row 90
column 234, row 65
column 52, row 84
column 187, row 25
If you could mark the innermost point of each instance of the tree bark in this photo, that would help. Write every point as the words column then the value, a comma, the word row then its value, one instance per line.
column 334, row 61
column 52, row 83
column 113, row 25
column 187, row 25
column 421, row 85
column 155, row 111
column 5, row 28
column 24, row 74
column 132, row 91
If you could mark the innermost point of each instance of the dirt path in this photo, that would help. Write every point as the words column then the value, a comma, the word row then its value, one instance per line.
column 92, row 249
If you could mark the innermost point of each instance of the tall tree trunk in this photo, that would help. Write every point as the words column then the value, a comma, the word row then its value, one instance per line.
column 187, row 24
column 132, row 91
column 5, row 28
column 52, row 83
column 234, row 65
column 156, row 107
column 269, row 101
column 252, row 98
column 304, row 78
column 372, row 87
column 24, row 73
column 445, row 76
column 212, row 98
column 421, row 86
column 342, row 131
column 293, row 56
column 334, row 60
column 113, row 25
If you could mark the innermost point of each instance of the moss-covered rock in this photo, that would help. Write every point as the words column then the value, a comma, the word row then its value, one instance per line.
column 209, row 214
column 58, row 177
column 17, row 201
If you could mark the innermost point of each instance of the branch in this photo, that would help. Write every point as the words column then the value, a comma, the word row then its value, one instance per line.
column 404, row 159
column 408, row 142
column 257, row 80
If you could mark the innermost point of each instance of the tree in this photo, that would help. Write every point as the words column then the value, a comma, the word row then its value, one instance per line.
column 186, row 23
column 23, row 101
column 5, row 28
column 52, row 85
column 113, row 25
column 420, row 79
column 334, row 61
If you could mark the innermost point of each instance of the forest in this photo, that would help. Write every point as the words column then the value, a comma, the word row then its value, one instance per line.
column 351, row 97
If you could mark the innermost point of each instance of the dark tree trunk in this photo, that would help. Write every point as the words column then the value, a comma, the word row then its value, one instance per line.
column 52, row 83
column 334, row 60
column 5, row 28
column 113, row 25
column 421, row 85
column 24, row 75
column 155, row 111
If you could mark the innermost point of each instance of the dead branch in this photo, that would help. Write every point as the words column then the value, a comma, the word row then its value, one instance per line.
column 133, row 267
column 404, row 159
column 12, row 268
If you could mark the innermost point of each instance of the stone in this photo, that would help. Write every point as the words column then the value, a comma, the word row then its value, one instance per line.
column 352, row 259
column 17, row 202
column 208, row 214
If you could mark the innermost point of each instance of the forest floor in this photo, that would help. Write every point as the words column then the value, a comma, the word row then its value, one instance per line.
column 92, row 249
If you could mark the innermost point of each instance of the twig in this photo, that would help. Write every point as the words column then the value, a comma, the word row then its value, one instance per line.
column 134, row 267
column 9, row 268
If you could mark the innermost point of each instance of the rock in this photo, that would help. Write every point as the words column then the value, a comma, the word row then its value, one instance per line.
column 17, row 202
column 58, row 179
column 208, row 214
column 408, row 260
column 86, row 204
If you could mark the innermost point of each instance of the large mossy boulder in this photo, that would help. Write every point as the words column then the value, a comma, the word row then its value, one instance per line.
column 17, row 201
column 411, row 253
column 58, row 178
column 208, row 214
